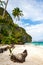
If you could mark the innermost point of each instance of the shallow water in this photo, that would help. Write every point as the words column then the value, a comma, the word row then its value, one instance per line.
column 36, row 43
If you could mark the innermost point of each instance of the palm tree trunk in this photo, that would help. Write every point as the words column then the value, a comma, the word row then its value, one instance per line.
column 5, row 9
column 0, row 0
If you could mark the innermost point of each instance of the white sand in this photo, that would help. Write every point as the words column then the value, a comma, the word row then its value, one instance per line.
column 34, row 57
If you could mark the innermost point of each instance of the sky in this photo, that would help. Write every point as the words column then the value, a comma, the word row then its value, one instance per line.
column 32, row 21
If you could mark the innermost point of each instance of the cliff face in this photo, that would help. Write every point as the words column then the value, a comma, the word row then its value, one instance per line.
column 10, row 32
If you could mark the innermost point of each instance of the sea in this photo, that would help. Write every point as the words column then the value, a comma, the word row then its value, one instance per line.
column 36, row 43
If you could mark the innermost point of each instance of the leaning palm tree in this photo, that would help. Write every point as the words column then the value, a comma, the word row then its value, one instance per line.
column 5, row 9
column 17, row 13
column 2, row 3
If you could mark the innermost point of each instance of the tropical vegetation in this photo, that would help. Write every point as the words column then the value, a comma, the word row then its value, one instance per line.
column 9, row 32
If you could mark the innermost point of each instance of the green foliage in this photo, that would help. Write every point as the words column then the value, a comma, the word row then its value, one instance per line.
column 7, row 16
column 11, row 33
column 17, row 13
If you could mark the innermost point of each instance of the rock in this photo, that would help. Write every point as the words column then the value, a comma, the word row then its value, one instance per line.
column 5, row 49
column 1, row 50
column 20, row 57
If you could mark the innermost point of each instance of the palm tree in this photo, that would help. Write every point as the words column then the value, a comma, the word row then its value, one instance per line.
column 2, row 3
column 5, row 9
column 17, row 13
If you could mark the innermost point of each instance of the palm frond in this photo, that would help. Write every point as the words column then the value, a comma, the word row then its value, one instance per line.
column 17, row 13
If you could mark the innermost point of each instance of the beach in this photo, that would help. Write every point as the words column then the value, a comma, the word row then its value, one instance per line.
column 34, row 57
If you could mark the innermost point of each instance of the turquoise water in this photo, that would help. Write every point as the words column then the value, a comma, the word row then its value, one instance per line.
column 36, row 43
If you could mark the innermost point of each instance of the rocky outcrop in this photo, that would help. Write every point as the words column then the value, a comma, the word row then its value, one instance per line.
column 20, row 57
column 3, row 49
